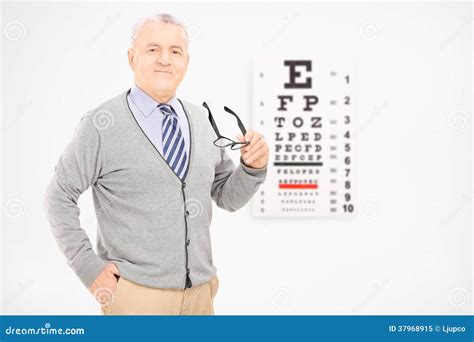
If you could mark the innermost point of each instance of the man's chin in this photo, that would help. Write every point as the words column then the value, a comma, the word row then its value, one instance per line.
column 163, row 86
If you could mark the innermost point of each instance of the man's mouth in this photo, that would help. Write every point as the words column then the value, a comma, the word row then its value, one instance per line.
column 162, row 71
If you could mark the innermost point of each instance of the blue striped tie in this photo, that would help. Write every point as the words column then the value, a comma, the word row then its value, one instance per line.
column 173, row 141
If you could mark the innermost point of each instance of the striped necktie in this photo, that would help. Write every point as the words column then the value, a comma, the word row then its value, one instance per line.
column 173, row 141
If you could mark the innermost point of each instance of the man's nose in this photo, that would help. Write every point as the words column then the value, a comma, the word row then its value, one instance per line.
column 164, row 58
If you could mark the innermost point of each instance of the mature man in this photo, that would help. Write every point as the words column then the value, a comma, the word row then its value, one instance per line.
column 150, row 159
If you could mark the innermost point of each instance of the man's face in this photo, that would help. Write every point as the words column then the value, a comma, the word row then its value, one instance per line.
column 159, row 57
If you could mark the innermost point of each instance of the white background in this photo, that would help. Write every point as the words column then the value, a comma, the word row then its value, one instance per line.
column 408, row 251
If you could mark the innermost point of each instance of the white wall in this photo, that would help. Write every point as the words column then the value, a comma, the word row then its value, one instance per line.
column 409, row 251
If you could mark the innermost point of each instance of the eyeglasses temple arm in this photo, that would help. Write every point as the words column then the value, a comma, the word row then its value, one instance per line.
column 239, row 122
column 211, row 119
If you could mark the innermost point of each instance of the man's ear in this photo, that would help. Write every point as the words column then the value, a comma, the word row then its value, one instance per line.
column 130, row 58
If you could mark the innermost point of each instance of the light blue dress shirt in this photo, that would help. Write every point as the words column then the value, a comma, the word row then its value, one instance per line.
column 150, row 118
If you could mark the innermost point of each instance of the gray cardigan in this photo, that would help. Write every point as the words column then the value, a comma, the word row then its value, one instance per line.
column 152, row 225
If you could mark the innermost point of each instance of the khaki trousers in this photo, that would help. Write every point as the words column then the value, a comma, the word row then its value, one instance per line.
column 129, row 298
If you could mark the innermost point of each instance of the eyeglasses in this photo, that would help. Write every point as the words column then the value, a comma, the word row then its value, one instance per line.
column 222, row 141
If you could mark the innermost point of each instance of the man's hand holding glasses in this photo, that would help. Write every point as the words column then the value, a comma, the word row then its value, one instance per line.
column 255, row 154
column 254, row 149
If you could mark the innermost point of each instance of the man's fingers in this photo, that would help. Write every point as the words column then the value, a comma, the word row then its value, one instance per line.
column 257, row 145
column 249, row 135
column 254, row 155
column 255, row 136
column 255, row 140
column 259, row 153
column 252, row 137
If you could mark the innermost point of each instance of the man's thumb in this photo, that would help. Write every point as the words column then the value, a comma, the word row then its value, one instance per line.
column 112, row 268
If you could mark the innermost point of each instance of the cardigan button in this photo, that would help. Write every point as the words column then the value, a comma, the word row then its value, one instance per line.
column 187, row 213
column 184, row 185
column 187, row 242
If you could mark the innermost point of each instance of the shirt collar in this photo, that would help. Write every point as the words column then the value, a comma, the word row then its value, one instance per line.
column 146, row 103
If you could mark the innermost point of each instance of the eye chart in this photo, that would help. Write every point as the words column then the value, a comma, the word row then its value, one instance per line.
column 305, row 109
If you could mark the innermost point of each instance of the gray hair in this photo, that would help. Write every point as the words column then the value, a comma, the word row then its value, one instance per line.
column 161, row 17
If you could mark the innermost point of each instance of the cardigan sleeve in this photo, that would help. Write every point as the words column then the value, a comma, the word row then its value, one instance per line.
column 234, row 186
column 76, row 170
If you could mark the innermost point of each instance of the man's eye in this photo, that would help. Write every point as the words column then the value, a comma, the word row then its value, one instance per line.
column 177, row 52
